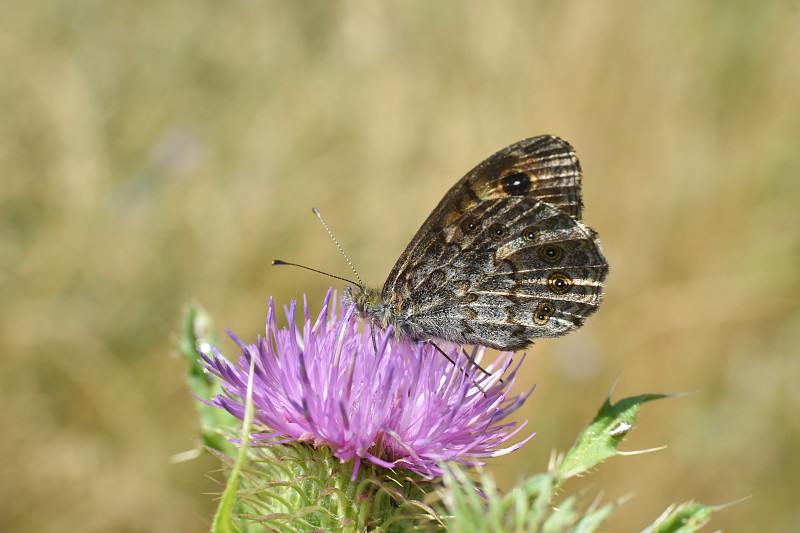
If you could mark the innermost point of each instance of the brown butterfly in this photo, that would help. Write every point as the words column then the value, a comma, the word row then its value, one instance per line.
column 502, row 260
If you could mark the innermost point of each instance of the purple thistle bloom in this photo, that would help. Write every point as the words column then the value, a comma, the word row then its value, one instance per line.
column 404, row 406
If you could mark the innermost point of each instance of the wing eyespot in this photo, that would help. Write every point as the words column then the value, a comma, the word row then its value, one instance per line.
column 559, row 283
column 516, row 184
column 550, row 253
column 497, row 232
column 530, row 233
column 470, row 226
column 543, row 312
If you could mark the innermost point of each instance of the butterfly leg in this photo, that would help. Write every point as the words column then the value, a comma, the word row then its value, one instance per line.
column 470, row 359
column 441, row 351
column 463, row 371
column 372, row 331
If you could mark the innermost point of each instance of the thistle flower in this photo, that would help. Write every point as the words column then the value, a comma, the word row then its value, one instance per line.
column 374, row 398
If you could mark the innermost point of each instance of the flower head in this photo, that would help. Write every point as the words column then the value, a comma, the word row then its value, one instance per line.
column 393, row 403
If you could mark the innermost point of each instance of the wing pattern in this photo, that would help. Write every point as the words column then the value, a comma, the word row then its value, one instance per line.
column 504, row 258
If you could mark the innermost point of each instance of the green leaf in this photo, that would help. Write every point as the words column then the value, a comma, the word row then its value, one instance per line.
column 223, row 519
column 684, row 518
column 198, row 335
column 527, row 507
column 601, row 437
column 593, row 519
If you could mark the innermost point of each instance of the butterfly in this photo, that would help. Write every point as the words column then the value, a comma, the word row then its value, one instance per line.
column 502, row 260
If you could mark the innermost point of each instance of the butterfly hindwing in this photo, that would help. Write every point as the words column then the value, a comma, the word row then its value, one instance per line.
column 524, row 270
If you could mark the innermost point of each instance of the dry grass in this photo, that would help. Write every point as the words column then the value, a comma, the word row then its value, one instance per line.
column 155, row 152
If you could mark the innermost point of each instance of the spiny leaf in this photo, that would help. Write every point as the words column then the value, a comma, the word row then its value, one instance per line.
column 601, row 437
column 198, row 334
column 683, row 518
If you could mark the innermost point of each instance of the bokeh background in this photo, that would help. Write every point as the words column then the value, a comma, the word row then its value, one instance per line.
column 154, row 153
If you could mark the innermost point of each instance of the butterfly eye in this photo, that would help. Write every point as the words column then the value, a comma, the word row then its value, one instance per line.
column 470, row 227
column 497, row 231
column 530, row 233
column 543, row 313
column 551, row 253
column 559, row 283
column 517, row 184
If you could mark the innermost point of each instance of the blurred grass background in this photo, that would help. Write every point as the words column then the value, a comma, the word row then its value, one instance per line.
column 156, row 152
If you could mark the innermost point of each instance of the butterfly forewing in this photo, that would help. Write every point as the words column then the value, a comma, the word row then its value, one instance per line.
column 543, row 167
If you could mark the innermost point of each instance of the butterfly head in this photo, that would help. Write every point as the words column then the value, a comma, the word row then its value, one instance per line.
column 369, row 303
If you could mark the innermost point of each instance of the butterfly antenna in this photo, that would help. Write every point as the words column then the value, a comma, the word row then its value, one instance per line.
column 278, row 262
column 339, row 246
